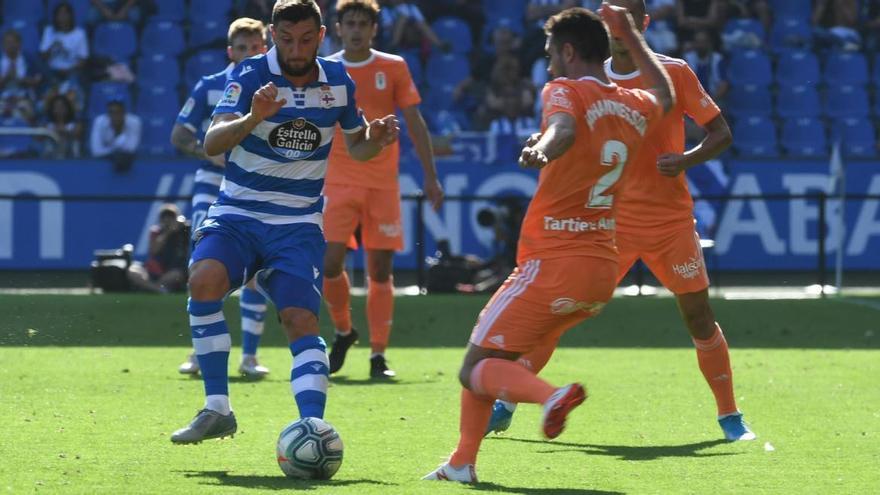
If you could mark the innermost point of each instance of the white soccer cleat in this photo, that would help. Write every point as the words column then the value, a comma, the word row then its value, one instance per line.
column 190, row 366
column 250, row 367
column 445, row 472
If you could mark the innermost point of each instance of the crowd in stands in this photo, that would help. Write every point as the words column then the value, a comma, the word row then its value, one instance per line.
column 105, row 78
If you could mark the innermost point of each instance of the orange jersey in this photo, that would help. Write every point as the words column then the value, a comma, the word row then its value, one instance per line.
column 571, row 212
column 650, row 202
column 382, row 85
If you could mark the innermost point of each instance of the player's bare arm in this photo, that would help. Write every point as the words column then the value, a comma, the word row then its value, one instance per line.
column 620, row 26
column 418, row 132
column 552, row 144
column 718, row 138
column 185, row 141
column 228, row 130
column 366, row 143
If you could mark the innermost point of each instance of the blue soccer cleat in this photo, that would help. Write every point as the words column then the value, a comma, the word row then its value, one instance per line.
column 501, row 418
column 735, row 428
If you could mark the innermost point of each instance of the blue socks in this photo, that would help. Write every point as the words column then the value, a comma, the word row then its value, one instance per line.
column 211, row 343
column 253, row 312
column 309, row 376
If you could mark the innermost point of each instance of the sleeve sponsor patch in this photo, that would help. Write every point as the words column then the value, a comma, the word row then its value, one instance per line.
column 231, row 95
column 187, row 107
column 560, row 98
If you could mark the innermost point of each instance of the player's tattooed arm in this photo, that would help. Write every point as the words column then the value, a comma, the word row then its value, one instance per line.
column 185, row 141
column 228, row 129
column 551, row 144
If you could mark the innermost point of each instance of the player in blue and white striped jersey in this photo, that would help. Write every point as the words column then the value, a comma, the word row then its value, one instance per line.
column 276, row 122
column 246, row 38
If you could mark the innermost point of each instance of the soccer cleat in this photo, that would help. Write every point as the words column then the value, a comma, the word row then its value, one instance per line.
column 557, row 407
column 500, row 420
column 445, row 472
column 735, row 428
column 190, row 366
column 206, row 425
column 379, row 369
column 341, row 344
column 251, row 368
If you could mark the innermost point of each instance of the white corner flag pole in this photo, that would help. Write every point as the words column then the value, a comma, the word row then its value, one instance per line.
column 837, row 172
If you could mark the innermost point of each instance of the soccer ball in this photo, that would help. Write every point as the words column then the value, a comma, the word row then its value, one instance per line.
column 309, row 448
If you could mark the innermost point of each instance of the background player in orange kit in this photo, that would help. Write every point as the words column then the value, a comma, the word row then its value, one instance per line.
column 567, row 263
column 368, row 194
column 655, row 221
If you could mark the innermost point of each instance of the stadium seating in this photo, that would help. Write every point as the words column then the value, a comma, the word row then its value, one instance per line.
column 798, row 101
column 846, row 68
column 857, row 136
column 30, row 36
column 116, row 40
column 156, row 135
column 208, row 31
column 170, row 10
column 158, row 70
column 804, row 137
column 795, row 9
column 505, row 9
column 202, row 64
column 20, row 10
column 104, row 92
column 162, row 37
column 80, row 10
column 846, row 101
column 797, row 67
column 788, row 32
column 755, row 137
column 444, row 72
column 210, row 9
column 749, row 67
column 744, row 32
column 749, row 100
column 454, row 31
column 157, row 101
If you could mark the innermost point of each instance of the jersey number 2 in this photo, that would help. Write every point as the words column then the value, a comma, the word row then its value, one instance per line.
column 614, row 155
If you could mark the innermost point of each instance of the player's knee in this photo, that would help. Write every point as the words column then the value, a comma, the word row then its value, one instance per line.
column 299, row 323
column 700, row 323
column 333, row 270
column 208, row 282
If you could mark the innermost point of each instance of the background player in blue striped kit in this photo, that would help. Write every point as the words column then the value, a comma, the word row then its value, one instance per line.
column 246, row 38
column 276, row 120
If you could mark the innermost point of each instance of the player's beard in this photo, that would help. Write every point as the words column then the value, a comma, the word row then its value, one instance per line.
column 299, row 72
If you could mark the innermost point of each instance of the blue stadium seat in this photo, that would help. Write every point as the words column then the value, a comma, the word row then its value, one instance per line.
column 30, row 36
column 212, row 9
column 202, row 64
column 797, row 67
column 454, row 31
column 846, row 68
column 755, row 137
column 414, row 62
column 796, row 9
column 846, row 101
column 506, row 9
column 156, row 139
column 798, row 101
column 749, row 67
column 445, row 71
column 104, row 92
column 804, row 137
column 157, row 101
column 788, row 32
column 857, row 136
column 169, row 10
column 162, row 37
column 116, row 40
column 158, row 70
column 207, row 31
column 744, row 32
column 749, row 100
column 80, row 10
column 20, row 10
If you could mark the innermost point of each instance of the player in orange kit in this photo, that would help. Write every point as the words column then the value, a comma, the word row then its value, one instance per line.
column 655, row 222
column 368, row 194
column 567, row 262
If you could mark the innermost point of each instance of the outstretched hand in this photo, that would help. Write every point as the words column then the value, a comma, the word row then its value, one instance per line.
column 384, row 131
column 533, row 158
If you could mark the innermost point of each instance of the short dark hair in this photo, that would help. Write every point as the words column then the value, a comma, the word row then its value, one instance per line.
column 296, row 11
column 368, row 7
column 581, row 28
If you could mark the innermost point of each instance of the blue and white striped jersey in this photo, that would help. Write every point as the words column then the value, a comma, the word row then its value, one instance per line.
column 276, row 174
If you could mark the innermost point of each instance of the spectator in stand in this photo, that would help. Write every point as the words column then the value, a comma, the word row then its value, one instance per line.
column 64, row 46
column 256, row 9
column 871, row 24
column 507, row 74
column 694, row 15
column 708, row 65
column 18, row 80
column 116, row 135
column 537, row 13
column 404, row 27
column 62, row 120
column 468, row 10
column 660, row 34
column 753, row 9
column 114, row 10
column 471, row 93
column 836, row 24
column 515, row 119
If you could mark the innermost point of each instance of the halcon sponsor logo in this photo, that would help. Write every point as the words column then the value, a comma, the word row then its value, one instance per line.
column 577, row 224
column 688, row 269
column 604, row 108
column 567, row 306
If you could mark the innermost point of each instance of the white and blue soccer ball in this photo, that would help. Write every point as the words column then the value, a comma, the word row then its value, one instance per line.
column 309, row 448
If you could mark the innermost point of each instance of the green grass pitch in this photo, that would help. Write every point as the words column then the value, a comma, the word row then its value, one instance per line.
column 89, row 394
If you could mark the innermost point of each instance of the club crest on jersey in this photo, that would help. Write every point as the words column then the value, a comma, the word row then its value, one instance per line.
column 381, row 82
column 231, row 95
column 187, row 107
column 295, row 139
column 327, row 98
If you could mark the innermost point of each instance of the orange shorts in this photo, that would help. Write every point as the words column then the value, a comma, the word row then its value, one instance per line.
column 377, row 211
column 675, row 258
column 542, row 299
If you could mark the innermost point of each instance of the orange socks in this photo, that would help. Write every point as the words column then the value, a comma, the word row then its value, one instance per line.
column 475, row 413
column 509, row 381
column 380, row 310
column 336, row 293
column 714, row 359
